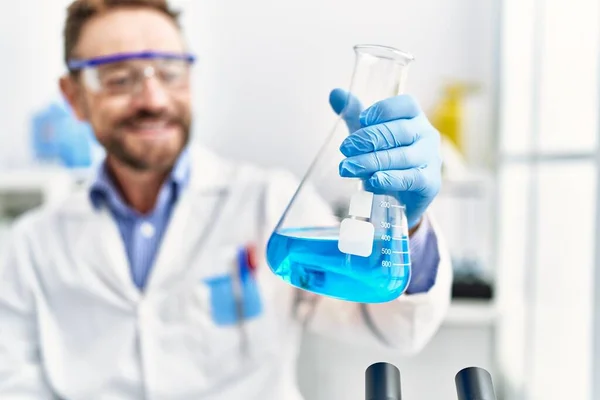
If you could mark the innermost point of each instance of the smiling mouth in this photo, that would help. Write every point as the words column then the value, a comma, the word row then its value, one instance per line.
column 152, row 128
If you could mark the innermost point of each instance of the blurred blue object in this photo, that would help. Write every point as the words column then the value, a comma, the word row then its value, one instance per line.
column 44, row 133
column 58, row 136
column 74, row 143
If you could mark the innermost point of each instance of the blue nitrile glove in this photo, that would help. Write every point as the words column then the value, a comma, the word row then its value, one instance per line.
column 394, row 148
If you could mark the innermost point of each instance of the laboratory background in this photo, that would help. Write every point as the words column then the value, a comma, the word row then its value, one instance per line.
column 512, row 86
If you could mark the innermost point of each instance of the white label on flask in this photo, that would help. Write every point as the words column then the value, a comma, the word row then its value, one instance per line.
column 356, row 237
column 361, row 204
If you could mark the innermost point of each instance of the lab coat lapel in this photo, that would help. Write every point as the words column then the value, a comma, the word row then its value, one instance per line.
column 193, row 218
column 100, row 251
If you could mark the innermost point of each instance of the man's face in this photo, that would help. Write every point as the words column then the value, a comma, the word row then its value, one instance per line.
column 145, row 130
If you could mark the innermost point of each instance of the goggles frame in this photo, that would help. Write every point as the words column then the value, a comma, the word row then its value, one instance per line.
column 79, row 64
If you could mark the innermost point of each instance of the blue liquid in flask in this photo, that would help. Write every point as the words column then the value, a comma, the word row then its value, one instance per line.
column 309, row 258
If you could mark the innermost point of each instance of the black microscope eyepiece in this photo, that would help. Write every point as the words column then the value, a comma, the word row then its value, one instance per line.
column 383, row 382
column 474, row 383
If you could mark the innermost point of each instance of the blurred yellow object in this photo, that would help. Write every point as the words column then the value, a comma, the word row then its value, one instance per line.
column 448, row 115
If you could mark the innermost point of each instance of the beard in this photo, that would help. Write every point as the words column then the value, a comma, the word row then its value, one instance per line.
column 142, row 155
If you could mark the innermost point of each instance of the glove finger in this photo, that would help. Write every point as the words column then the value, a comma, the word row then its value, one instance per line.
column 400, row 132
column 409, row 180
column 347, row 106
column 397, row 107
column 398, row 158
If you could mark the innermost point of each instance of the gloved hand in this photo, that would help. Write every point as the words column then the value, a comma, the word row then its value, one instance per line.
column 394, row 148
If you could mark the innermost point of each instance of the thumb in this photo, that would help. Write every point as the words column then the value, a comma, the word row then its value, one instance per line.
column 348, row 107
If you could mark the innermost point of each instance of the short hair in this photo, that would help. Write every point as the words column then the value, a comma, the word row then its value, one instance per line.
column 81, row 11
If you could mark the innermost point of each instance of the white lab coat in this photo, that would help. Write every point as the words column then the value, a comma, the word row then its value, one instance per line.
column 72, row 323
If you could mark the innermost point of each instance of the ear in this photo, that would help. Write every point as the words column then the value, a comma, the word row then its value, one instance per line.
column 72, row 93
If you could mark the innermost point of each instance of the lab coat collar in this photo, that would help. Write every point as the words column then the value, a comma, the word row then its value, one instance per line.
column 209, row 172
column 205, row 173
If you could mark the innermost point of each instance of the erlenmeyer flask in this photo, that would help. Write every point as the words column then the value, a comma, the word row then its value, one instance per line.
column 335, row 238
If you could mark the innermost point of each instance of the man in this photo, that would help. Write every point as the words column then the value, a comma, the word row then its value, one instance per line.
column 126, row 290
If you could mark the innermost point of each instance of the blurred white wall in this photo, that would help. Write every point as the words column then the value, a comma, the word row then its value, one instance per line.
column 31, row 45
column 266, row 66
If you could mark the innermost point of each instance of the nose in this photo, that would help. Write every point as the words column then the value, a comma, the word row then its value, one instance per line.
column 151, row 95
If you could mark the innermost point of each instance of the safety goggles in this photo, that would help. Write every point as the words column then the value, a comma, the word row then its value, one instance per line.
column 126, row 73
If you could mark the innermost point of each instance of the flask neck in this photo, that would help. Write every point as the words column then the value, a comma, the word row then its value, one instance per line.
column 379, row 73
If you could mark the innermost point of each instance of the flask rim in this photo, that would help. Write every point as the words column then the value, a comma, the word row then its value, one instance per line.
column 387, row 52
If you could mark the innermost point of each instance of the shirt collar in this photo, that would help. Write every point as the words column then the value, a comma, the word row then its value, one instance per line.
column 103, row 188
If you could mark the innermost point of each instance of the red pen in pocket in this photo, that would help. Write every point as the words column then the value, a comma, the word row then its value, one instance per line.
column 248, row 261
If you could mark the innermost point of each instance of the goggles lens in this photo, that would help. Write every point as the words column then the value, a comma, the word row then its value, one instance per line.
column 125, row 74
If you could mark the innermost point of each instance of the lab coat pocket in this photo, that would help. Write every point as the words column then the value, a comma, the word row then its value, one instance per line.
column 232, row 302
column 240, row 336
